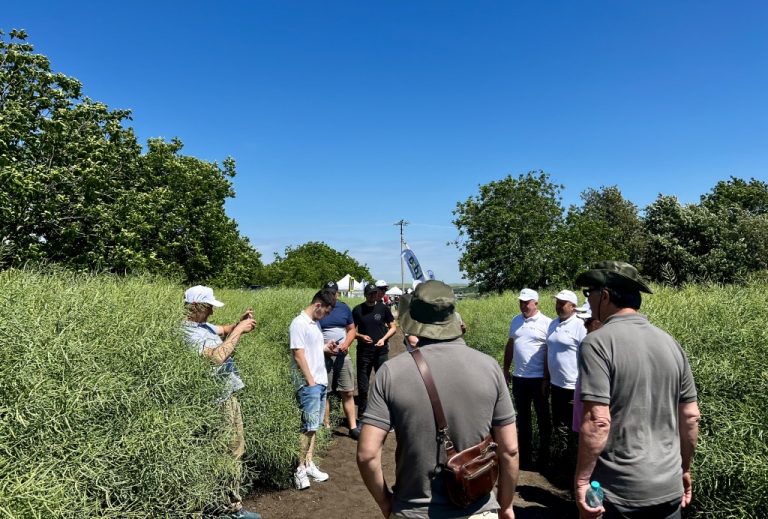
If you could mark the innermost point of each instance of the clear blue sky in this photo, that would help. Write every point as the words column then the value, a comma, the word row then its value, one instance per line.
column 345, row 117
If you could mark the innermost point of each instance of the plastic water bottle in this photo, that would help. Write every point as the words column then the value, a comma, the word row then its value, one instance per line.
column 595, row 495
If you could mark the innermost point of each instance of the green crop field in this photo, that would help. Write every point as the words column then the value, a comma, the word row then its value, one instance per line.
column 723, row 331
column 105, row 412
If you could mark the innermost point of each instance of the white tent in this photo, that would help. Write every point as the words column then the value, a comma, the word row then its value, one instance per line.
column 344, row 283
column 358, row 286
column 394, row 291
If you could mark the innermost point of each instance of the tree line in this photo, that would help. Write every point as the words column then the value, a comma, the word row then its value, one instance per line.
column 79, row 191
column 515, row 232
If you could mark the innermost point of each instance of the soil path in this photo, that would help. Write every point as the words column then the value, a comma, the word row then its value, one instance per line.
column 344, row 495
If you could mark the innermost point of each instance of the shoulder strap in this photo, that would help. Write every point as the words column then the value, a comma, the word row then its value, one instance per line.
column 434, row 398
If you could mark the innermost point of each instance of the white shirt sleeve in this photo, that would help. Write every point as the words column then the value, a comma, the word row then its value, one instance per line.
column 298, row 337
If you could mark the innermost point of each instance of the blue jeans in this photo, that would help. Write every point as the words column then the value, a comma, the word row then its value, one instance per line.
column 312, row 404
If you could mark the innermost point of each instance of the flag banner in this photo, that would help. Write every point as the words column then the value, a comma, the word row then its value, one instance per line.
column 413, row 264
column 430, row 274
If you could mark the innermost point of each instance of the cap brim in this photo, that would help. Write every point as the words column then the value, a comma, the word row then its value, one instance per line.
column 216, row 303
column 527, row 299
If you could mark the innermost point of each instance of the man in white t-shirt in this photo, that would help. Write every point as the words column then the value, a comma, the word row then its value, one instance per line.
column 311, row 379
column 527, row 348
column 563, row 340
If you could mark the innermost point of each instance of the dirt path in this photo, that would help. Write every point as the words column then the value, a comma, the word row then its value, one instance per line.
column 344, row 495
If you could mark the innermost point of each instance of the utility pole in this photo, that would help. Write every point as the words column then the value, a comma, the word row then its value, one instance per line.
column 402, row 223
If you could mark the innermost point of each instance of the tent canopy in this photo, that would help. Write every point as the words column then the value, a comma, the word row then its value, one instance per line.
column 394, row 291
column 344, row 283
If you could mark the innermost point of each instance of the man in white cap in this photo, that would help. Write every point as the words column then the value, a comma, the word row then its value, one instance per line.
column 527, row 347
column 217, row 344
column 563, row 340
column 382, row 288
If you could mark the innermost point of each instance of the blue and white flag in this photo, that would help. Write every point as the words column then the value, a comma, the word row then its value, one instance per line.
column 430, row 274
column 413, row 264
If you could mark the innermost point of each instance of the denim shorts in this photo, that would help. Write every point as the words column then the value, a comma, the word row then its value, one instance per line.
column 312, row 405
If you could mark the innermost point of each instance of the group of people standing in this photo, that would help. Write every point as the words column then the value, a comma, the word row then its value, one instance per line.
column 623, row 384
column 544, row 352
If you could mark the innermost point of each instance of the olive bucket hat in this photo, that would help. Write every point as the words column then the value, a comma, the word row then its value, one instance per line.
column 613, row 274
column 430, row 312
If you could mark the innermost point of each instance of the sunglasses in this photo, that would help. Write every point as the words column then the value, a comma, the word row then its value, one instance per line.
column 588, row 291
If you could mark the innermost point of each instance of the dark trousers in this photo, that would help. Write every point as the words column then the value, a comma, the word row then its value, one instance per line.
column 562, row 406
column 527, row 391
column 669, row 510
column 368, row 358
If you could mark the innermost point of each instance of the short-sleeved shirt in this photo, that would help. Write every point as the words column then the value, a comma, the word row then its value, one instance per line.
column 334, row 325
column 372, row 321
column 474, row 396
column 306, row 335
column 530, row 336
column 203, row 336
column 643, row 375
column 563, row 340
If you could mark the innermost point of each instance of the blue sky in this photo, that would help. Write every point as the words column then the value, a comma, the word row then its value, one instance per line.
column 345, row 117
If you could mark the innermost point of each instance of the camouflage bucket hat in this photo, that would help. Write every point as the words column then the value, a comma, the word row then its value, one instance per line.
column 613, row 274
column 430, row 312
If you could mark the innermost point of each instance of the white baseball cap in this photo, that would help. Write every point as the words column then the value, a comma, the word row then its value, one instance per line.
column 201, row 294
column 567, row 295
column 381, row 283
column 584, row 311
column 527, row 294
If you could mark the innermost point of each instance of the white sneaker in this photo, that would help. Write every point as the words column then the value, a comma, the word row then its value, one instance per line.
column 315, row 473
column 300, row 479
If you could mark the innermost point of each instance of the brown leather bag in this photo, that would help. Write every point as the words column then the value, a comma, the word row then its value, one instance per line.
column 471, row 473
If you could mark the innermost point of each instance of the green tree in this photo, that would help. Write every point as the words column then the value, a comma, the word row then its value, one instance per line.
column 78, row 191
column 508, row 233
column 750, row 196
column 310, row 265
column 711, row 241
column 606, row 225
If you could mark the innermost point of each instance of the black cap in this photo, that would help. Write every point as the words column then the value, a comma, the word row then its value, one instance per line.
column 370, row 287
column 330, row 285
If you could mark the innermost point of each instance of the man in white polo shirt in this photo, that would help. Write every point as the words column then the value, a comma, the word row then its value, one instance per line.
column 310, row 379
column 563, row 340
column 527, row 348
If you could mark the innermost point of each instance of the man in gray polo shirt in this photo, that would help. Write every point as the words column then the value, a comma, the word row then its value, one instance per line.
column 640, row 420
column 476, row 402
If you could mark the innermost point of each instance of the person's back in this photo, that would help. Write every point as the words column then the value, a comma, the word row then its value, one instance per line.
column 639, row 424
column 470, row 386
column 642, row 455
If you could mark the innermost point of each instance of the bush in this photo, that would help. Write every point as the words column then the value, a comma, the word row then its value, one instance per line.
column 723, row 331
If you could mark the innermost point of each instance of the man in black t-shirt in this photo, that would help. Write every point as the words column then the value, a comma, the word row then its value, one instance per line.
column 375, row 325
